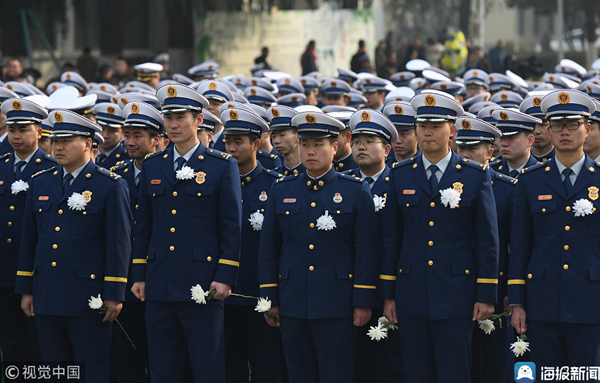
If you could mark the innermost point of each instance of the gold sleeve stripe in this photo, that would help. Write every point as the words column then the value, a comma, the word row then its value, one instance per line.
column 268, row 285
column 364, row 287
column 387, row 277
column 115, row 279
column 143, row 261
column 228, row 262
column 516, row 282
column 487, row 280
column 25, row 273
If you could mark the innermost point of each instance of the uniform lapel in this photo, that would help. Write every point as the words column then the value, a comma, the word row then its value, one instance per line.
column 553, row 179
column 166, row 165
column 81, row 182
column 584, row 179
column 7, row 169
column 33, row 165
column 381, row 186
column 195, row 161
column 450, row 175
column 419, row 175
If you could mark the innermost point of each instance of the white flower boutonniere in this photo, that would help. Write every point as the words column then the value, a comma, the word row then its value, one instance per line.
column 583, row 207
column 19, row 186
column 76, row 202
column 256, row 220
column 185, row 173
column 450, row 198
column 379, row 202
column 326, row 222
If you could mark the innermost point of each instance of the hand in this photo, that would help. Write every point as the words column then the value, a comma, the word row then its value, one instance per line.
column 139, row 290
column 482, row 311
column 389, row 310
column 114, row 308
column 223, row 290
column 27, row 305
column 270, row 321
column 519, row 319
column 361, row 316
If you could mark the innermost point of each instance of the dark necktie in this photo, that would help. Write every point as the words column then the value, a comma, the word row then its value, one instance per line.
column 369, row 180
column 100, row 159
column 180, row 161
column 433, row 181
column 568, row 185
column 19, row 169
column 67, row 182
column 137, row 182
column 513, row 173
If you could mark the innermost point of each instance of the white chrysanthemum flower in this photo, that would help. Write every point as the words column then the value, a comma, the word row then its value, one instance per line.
column 450, row 197
column 19, row 186
column 256, row 220
column 583, row 207
column 76, row 202
column 96, row 303
column 326, row 222
column 379, row 202
column 377, row 333
column 520, row 347
column 263, row 305
column 199, row 295
column 487, row 326
column 185, row 173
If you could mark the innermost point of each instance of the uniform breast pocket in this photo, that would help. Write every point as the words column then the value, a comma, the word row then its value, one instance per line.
column 588, row 224
column 41, row 209
column 288, row 218
column 199, row 201
column 158, row 201
column 85, row 222
column 411, row 211
column 459, row 217
column 545, row 217
column 343, row 218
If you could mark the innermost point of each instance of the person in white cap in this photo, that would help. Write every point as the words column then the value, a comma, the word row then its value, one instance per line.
column 285, row 139
column 148, row 73
column 591, row 146
column 402, row 116
column 374, row 91
column 542, row 149
column 110, row 117
column 335, row 92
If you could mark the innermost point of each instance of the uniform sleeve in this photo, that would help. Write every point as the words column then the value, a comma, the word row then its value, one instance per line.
column 230, row 224
column 29, row 239
column 271, row 240
column 142, row 230
column 486, row 243
column 391, row 239
column 520, row 246
column 117, row 243
column 366, row 251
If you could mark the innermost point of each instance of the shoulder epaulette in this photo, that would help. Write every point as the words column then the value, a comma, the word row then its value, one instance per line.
column 218, row 154
column 109, row 174
column 120, row 166
column 495, row 161
column 350, row 177
column 50, row 157
column 43, row 171
column 273, row 173
column 473, row 164
column 405, row 162
column 288, row 178
column 505, row 178
column 597, row 164
column 539, row 165
column 155, row 154
column 349, row 172
column 4, row 155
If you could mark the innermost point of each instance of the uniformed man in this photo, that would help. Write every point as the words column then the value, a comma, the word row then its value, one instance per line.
column 311, row 90
column 372, row 134
column 143, row 125
column 335, row 92
column 316, row 259
column 342, row 159
column 516, row 141
column 249, row 341
column 554, row 266
column 374, row 90
column 18, row 336
column 187, row 233
column 591, row 146
column 440, row 249
column 285, row 139
column 402, row 116
column 477, row 81
column 76, row 80
column 76, row 245
column 217, row 93
column 5, row 146
column 148, row 73
column 491, row 360
column 542, row 149
column 110, row 117
column 206, row 130
column 206, row 70
column 45, row 143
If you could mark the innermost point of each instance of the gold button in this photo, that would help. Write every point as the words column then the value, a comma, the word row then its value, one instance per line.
column 430, row 263
column 338, row 212
column 400, row 271
column 308, row 183
column 173, row 211
column 566, row 247
column 312, row 225
column 57, row 228
column 431, row 223
column 9, row 240
column 320, row 183
column 172, row 248
column 430, row 243
column 311, row 246
column 209, row 258
column 136, row 206
column 53, row 264
column 85, row 212
column 287, row 213
column 341, row 165
column 312, row 204
column 153, row 194
column 38, row 210
column 568, row 208
column 350, row 276
column 172, row 230
column 311, row 268
column 407, row 205
column 467, row 272
column 10, row 224
column 567, row 228
column 316, row 187
column 543, row 210
column 432, row 204
column 501, row 273
column 55, row 246
column 174, row 194
column 60, row 211
column 13, row 208
column 566, row 267
column 93, row 276
column 529, row 276
column 199, row 194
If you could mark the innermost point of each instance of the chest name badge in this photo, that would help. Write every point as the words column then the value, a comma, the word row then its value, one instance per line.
column 289, row 200
column 337, row 198
column 408, row 191
column 200, row 178
column 458, row 187
column 43, row 198
column 545, row 197
column 155, row 182
column 593, row 193
column 263, row 196
column 88, row 196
